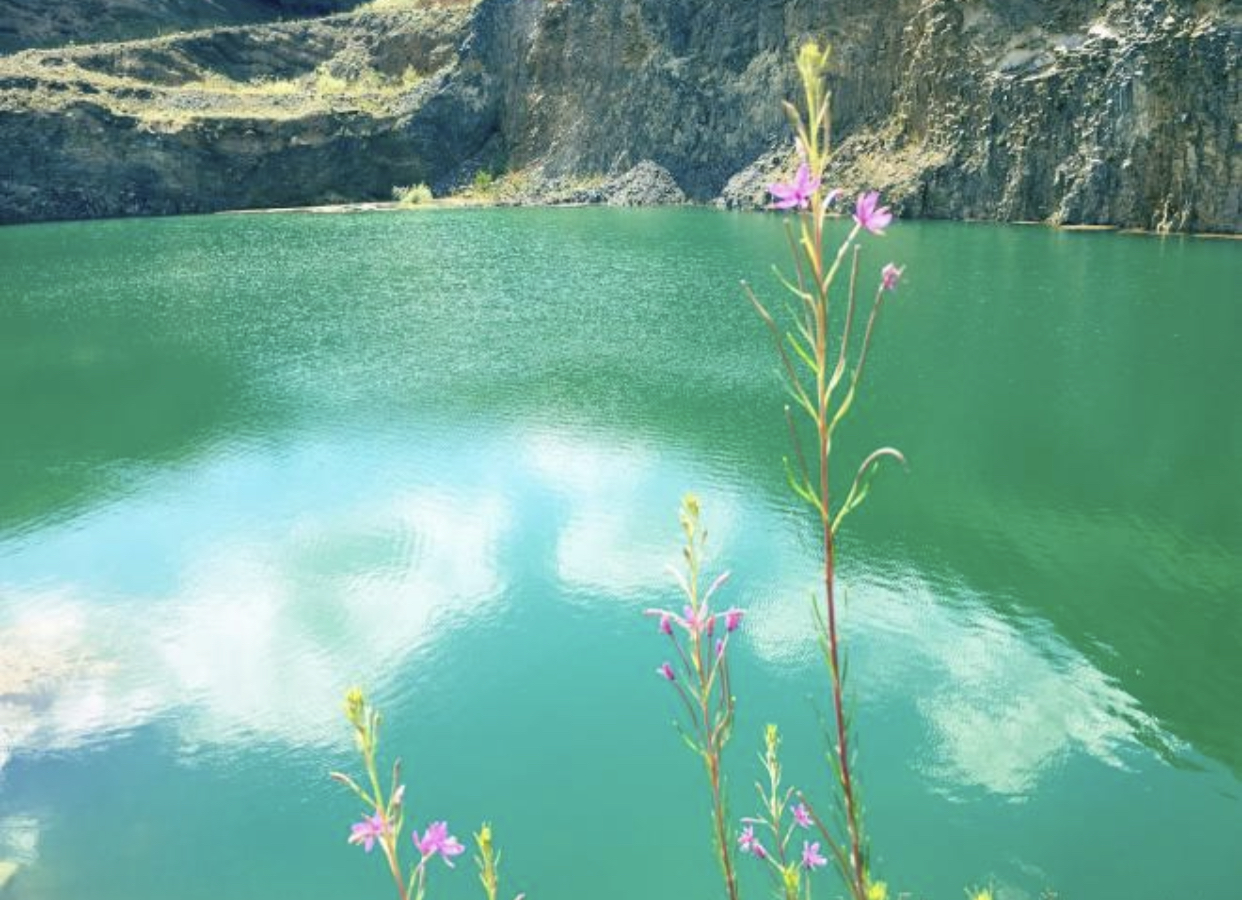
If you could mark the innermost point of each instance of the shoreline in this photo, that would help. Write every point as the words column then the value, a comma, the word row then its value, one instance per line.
column 379, row 206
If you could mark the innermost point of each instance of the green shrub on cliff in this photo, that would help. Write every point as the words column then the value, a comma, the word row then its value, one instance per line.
column 412, row 195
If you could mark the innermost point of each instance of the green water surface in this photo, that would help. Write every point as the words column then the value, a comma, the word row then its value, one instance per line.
column 246, row 462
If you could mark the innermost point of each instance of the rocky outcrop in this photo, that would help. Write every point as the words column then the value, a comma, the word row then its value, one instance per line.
column 1070, row 111
column 647, row 184
column 1121, row 112
column 311, row 112
column 1126, row 115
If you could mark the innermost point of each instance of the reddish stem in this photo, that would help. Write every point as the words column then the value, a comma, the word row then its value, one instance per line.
column 712, row 748
column 390, row 853
column 858, row 881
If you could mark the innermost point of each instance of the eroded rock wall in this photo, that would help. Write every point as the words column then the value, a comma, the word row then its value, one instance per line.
column 1124, row 112
column 336, row 110
column 1121, row 112
column 1108, row 113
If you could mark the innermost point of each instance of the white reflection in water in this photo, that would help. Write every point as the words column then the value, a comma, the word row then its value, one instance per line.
column 19, row 841
column 267, row 626
column 1002, row 706
column 621, row 534
column 1006, row 713
column 267, row 631
column 55, row 689
column 298, row 629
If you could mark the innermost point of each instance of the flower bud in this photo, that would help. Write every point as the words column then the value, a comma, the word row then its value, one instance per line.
column 356, row 708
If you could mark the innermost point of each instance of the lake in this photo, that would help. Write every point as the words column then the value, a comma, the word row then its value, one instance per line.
column 248, row 461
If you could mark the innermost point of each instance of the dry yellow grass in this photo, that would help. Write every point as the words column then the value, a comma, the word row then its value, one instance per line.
column 397, row 5
column 56, row 86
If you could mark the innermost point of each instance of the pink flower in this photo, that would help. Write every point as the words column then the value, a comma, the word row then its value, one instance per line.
column 797, row 193
column 696, row 620
column 691, row 620
column 802, row 815
column 368, row 831
column 733, row 618
column 438, row 840
column 668, row 619
column 870, row 218
column 889, row 276
column 720, row 647
column 811, row 857
column 666, row 671
column 750, row 844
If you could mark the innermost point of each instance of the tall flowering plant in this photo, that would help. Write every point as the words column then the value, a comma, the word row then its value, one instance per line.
column 822, row 370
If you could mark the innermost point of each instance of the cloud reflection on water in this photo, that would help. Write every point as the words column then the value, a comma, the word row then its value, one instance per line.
column 267, row 624
column 620, row 533
column 264, row 633
column 1002, row 705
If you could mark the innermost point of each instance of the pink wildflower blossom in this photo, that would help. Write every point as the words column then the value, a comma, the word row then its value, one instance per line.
column 868, row 216
column 889, row 276
column 438, row 840
column 368, row 831
column 797, row 193
column 696, row 619
column 802, row 815
column 690, row 621
column 666, row 671
column 750, row 844
column 733, row 618
column 811, row 857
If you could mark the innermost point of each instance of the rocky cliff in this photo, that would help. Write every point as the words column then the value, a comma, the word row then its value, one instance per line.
column 1077, row 111
column 1122, row 112
column 53, row 23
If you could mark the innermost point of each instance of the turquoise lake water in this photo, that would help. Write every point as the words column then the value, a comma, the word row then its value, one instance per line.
column 246, row 462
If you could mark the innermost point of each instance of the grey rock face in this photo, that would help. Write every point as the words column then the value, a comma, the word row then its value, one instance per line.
column 748, row 188
column 143, row 129
column 1122, row 112
column 647, row 184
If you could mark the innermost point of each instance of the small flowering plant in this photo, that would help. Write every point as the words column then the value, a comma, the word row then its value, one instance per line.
column 785, row 819
column 699, row 639
column 384, row 817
